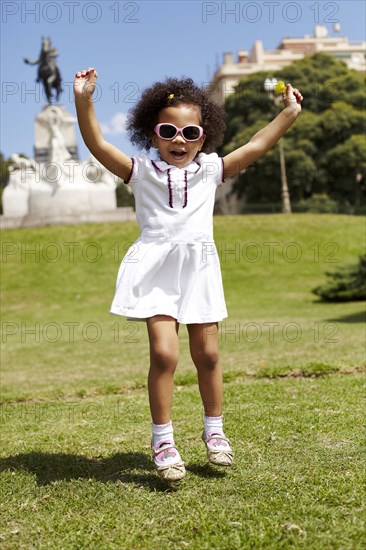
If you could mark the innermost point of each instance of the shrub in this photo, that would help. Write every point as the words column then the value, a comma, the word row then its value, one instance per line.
column 124, row 196
column 346, row 284
column 318, row 204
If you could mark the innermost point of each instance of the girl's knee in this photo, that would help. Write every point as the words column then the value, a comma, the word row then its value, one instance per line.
column 207, row 357
column 163, row 357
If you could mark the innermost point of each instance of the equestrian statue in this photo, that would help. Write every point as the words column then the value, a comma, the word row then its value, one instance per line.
column 48, row 72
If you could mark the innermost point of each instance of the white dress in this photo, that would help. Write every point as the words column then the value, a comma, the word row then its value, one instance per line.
column 173, row 268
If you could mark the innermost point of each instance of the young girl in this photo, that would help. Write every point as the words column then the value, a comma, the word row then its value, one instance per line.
column 171, row 274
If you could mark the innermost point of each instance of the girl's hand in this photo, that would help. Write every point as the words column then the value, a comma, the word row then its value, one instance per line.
column 84, row 83
column 292, row 98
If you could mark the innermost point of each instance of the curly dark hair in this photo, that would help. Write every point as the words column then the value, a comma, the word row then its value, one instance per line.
column 143, row 117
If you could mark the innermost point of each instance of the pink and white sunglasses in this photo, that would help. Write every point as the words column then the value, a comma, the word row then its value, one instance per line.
column 168, row 131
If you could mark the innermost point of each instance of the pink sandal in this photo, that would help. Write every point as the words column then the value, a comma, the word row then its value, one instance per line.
column 173, row 471
column 218, row 449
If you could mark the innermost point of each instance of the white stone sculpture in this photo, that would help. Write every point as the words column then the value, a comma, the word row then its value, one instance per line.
column 59, row 184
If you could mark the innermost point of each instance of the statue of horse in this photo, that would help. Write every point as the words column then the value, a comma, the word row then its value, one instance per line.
column 48, row 72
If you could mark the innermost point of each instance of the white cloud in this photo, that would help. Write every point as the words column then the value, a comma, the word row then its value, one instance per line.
column 116, row 125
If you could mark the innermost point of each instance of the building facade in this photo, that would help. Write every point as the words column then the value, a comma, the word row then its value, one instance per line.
column 288, row 51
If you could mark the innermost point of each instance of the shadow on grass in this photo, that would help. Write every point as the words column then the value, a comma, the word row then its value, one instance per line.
column 134, row 468
column 206, row 470
column 51, row 467
column 359, row 317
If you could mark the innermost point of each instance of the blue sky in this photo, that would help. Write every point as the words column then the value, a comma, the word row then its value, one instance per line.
column 136, row 43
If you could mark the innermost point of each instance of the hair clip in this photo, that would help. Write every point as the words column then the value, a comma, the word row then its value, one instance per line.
column 171, row 96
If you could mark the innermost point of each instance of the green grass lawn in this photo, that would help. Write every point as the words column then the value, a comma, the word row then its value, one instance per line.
column 75, row 419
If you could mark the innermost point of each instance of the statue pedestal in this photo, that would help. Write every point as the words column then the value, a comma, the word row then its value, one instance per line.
column 59, row 185
column 65, row 122
column 75, row 200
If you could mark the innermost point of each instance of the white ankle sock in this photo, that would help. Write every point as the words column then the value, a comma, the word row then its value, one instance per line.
column 213, row 424
column 162, row 432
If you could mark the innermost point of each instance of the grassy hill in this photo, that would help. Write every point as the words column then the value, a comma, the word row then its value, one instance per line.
column 58, row 283
column 75, row 417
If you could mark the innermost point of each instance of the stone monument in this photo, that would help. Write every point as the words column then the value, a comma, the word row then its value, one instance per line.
column 56, row 187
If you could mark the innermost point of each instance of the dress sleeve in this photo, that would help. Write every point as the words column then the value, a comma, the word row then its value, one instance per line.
column 138, row 163
column 212, row 167
column 130, row 176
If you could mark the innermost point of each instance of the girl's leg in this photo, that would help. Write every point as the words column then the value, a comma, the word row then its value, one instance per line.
column 203, row 341
column 164, row 351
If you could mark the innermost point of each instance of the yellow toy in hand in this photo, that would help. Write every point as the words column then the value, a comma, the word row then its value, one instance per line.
column 280, row 88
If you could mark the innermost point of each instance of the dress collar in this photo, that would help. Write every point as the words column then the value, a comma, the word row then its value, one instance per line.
column 163, row 166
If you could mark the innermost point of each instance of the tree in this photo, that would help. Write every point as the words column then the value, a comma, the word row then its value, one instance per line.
column 4, row 170
column 346, row 164
column 324, row 150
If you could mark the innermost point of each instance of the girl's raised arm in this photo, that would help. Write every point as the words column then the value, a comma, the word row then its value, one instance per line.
column 266, row 138
column 107, row 154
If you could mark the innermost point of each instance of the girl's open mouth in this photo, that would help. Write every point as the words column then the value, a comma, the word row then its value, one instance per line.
column 177, row 154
